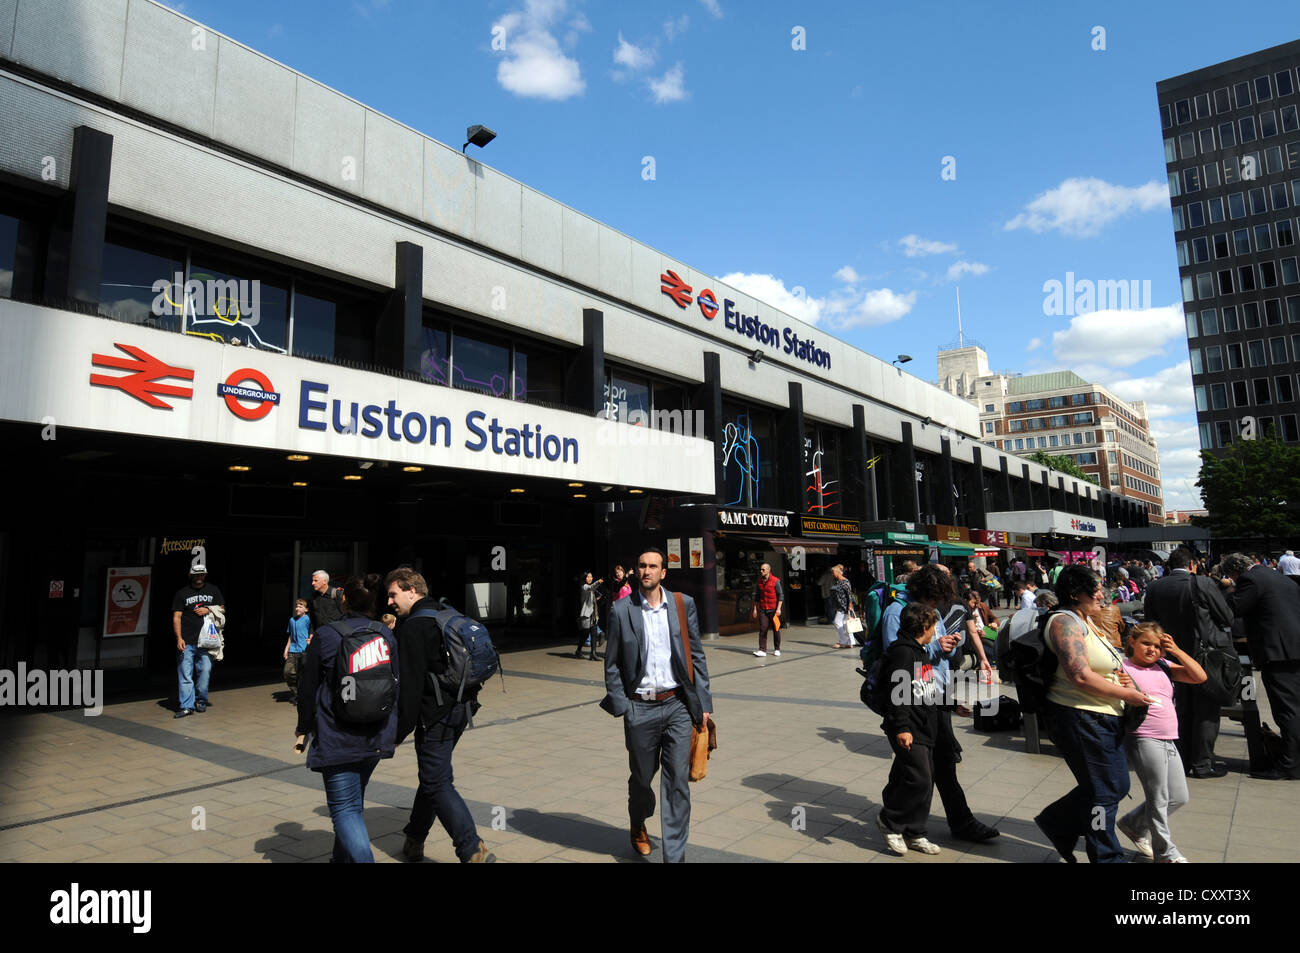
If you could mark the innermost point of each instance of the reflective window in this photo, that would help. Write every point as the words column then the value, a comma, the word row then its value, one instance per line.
column 1263, row 89
column 1222, row 101
column 1227, row 135
column 1277, row 350
column 1241, row 241
column 1285, row 233
column 1200, row 250
column 1246, row 279
column 1214, row 359
column 1175, row 185
column 1293, row 154
column 1202, row 103
column 1267, row 276
column 1215, row 207
column 1171, row 152
column 1192, row 327
column 1258, row 203
column 1290, row 275
column 1293, row 311
column 1221, row 245
column 539, row 375
column 1206, row 137
column 1263, row 237
column 1282, row 83
column 1240, row 394
column 627, row 399
column 1241, row 94
column 824, row 491
column 1178, row 218
column 1246, row 127
column 1204, row 286
column 1189, row 288
column 1289, row 433
column 1278, row 196
column 484, row 366
column 1166, row 117
column 1218, row 396
column 1209, row 322
column 1272, row 312
column 1263, row 393
column 1195, row 215
column 1224, row 431
column 330, row 322
column 1183, row 111
column 1250, row 315
column 1237, row 205
column 1230, row 320
column 1182, row 253
column 1225, row 281
column 143, row 282
column 1212, row 176
column 1290, row 121
column 1255, row 353
column 1234, row 356
column 435, row 356
column 1192, row 179
column 748, row 456
column 239, row 303
column 1267, row 124
column 1187, row 145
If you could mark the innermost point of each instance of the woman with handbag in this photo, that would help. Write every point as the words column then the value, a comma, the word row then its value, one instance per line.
column 842, row 598
column 587, row 619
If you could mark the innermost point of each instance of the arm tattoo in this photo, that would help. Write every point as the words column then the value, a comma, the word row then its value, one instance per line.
column 1070, row 640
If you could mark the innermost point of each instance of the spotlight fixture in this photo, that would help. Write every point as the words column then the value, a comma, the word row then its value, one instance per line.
column 925, row 421
column 901, row 359
column 238, row 468
column 412, row 469
column 756, row 357
column 297, row 457
column 478, row 136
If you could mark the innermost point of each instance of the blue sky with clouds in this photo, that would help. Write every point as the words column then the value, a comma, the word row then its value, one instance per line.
column 814, row 177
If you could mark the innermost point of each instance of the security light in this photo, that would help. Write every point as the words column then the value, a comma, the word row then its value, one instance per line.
column 479, row 136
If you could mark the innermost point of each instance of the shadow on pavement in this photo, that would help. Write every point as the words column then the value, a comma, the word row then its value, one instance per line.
column 578, row 833
column 821, row 822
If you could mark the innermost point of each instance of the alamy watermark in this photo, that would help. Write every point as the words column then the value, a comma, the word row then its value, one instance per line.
column 1076, row 296
column 230, row 299
column 37, row 688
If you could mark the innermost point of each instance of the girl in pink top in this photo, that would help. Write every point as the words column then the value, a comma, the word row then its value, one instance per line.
column 1154, row 663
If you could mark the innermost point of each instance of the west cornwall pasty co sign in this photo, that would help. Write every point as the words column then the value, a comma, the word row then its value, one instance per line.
column 79, row 371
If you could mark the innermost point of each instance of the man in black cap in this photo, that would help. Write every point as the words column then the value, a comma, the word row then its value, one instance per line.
column 189, row 608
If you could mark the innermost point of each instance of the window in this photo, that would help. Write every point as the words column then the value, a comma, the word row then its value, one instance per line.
column 1199, row 391
column 1196, row 361
column 1014, row 425
column 1272, row 311
column 1250, row 315
column 1225, row 281
column 1189, row 289
column 1268, row 124
column 988, row 408
column 1255, row 349
column 1282, row 83
column 1246, row 127
column 1222, row 101
column 1241, row 241
column 1036, row 423
column 988, row 426
column 1171, row 150
column 249, row 305
column 1209, row 322
column 1240, row 394
column 1234, row 356
column 1215, row 207
column 1273, row 159
column 1192, row 331
column 1202, row 103
column 1078, row 400
column 1035, row 404
column 1224, row 430
column 1277, row 193
column 1285, row 233
column 539, row 376
column 1263, row 393
column 744, row 483
column 1268, row 274
column 1053, row 441
column 1020, row 443
column 1175, row 189
column 1057, row 420
column 484, row 366
column 1293, row 154
column 1013, row 407
column 1263, row 89
column 1207, row 439
column 1283, row 389
column 1187, row 145
column 1220, row 246
column 1246, row 278
column 1114, row 479
column 20, row 242
column 1078, row 439
column 1241, row 94
column 1183, row 111
column 1258, row 204
column 1290, row 121
column 1166, row 116
column 1237, row 205
column 1195, row 215
column 1206, row 138
column 131, row 267
column 1289, row 429
column 1056, row 401
column 1219, row 396
column 1263, row 237
column 1230, row 320
column 1227, row 136
column 1213, row 359
column 1178, row 218
column 1290, row 275
column 1277, row 350
column 1200, row 250
column 1112, row 457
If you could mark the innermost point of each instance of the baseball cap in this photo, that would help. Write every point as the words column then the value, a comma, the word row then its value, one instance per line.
column 199, row 570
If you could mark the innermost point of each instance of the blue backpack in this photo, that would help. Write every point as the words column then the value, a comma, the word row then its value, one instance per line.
column 471, row 657
column 877, row 600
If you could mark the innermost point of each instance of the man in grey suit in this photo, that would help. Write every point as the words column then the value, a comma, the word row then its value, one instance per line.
column 648, row 683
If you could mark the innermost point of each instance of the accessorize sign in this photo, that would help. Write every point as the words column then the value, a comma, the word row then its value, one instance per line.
column 81, row 371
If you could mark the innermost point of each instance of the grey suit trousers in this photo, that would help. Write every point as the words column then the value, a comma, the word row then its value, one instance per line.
column 658, row 736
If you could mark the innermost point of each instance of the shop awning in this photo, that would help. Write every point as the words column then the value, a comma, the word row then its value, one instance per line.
column 969, row 550
column 783, row 544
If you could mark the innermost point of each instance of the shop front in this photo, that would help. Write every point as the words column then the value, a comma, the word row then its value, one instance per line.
column 886, row 552
column 744, row 540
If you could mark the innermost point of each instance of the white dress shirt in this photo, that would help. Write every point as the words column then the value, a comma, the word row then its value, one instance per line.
column 658, row 656
column 1027, row 599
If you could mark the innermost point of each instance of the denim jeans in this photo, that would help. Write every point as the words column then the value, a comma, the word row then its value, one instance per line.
column 437, row 796
column 186, row 663
column 345, row 792
column 1093, row 747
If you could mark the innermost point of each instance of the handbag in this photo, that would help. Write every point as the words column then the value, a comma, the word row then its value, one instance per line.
column 853, row 623
column 704, row 740
column 209, row 635
column 1222, row 684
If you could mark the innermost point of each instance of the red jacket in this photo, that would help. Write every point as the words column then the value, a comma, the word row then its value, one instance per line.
column 769, row 593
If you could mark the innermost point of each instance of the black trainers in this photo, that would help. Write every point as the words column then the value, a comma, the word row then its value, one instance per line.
column 976, row 831
column 1066, row 850
column 184, row 712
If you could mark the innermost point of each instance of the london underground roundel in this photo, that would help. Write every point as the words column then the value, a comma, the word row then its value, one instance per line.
column 708, row 304
column 239, row 394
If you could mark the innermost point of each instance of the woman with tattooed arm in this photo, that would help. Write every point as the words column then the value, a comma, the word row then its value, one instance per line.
column 1085, row 707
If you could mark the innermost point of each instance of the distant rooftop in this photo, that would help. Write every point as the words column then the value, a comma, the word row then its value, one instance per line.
column 1052, row 380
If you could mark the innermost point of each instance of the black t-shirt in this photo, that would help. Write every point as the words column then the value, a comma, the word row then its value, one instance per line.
column 324, row 608
column 189, row 599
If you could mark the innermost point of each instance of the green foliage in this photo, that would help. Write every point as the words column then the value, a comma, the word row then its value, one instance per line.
column 1064, row 465
column 1252, row 489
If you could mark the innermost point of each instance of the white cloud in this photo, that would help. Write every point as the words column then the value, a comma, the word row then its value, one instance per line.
column 713, row 7
column 959, row 268
column 1034, row 344
column 1167, row 393
column 533, row 64
column 1082, row 207
column 772, row 291
column 914, row 246
column 675, row 28
column 847, row 275
column 632, row 56
column 578, row 25
column 671, row 87
column 871, row 308
column 1118, row 338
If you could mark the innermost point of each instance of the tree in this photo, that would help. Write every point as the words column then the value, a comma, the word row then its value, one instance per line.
column 1064, row 465
column 1252, row 490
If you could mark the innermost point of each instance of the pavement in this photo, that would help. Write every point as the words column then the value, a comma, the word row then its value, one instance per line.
column 797, row 777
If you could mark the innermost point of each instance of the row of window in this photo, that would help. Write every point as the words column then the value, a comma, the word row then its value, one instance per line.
column 1245, row 130
column 1141, row 486
column 1054, row 440
column 1241, row 241
column 1241, row 280
column 1225, row 99
column 1236, row 206
column 1133, row 463
column 1221, row 433
column 1247, row 168
column 1042, row 403
column 1256, row 353
column 1259, row 392
column 1058, row 420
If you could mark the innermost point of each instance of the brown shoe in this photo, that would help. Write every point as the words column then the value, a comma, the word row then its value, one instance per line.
column 413, row 850
column 483, row 855
column 641, row 842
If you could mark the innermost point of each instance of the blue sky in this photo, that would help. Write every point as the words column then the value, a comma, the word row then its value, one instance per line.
column 813, row 178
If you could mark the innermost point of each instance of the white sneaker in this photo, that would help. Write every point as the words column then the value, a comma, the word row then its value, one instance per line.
column 777, row 653
column 893, row 841
column 1140, row 841
column 761, row 654
column 922, row 845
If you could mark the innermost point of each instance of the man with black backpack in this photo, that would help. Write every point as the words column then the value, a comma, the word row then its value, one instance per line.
column 437, row 715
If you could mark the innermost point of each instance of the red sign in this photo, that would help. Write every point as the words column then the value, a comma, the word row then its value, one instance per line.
column 126, row 603
column 142, row 382
column 235, row 389
column 56, row 588
column 708, row 304
column 993, row 537
column 677, row 289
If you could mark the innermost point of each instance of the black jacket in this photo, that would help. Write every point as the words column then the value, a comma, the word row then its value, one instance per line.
column 1169, row 601
column 1269, row 602
column 913, row 695
column 422, row 655
column 339, row 742
column 324, row 608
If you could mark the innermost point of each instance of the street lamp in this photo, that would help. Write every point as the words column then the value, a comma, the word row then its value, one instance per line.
column 901, row 359
column 479, row 136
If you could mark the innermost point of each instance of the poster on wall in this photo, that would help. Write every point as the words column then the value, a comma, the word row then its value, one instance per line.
column 697, row 552
column 126, row 601
column 675, row 553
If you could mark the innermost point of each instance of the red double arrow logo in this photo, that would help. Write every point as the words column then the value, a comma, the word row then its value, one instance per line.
column 675, row 288
column 143, row 381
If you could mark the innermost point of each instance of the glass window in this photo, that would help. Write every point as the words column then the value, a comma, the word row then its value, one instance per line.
column 627, row 399
column 1182, row 254
column 1240, row 394
column 1171, row 152
column 1246, row 127
column 988, row 426
column 435, row 358
column 484, row 366
column 821, row 463
column 1255, row 351
column 1220, row 246
column 1195, row 215
column 1183, row 111
column 1290, row 275
column 1263, row 237
column 1258, row 205
column 1197, row 368
column 1225, row 281
column 1166, row 116
column 1215, row 207
column 1214, row 359
column 539, row 376
column 1293, row 154
column 1189, row 288
column 1263, row 89
column 1058, row 401
column 1290, row 121
column 139, row 282
column 1054, row 441
column 1230, row 320
column 1267, row 274
column 1209, row 322
column 1211, row 180
column 1078, row 440
column 1205, row 286
column 1237, row 205
column 1192, row 326
column 1272, row 312
column 1175, row 188
column 1246, row 279
column 1178, row 218
column 1250, row 315
column 1020, row 443
column 1285, row 233
column 1293, row 311
column 1241, row 93
column 1202, row 103
column 1222, row 101
column 329, row 322
column 748, row 469
column 1263, row 393
column 1267, row 124
column 1013, row 407
column 1206, row 137
column 1035, row 404
column 1289, row 428
column 1200, row 250
column 1218, row 396
column 1282, row 83
column 1187, row 145
column 240, row 302
column 1278, row 196
column 1277, row 350
column 1234, row 356
column 1078, row 400
column 1227, row 135
column 1241, row 241
column 1042, row 441
column 8, row 254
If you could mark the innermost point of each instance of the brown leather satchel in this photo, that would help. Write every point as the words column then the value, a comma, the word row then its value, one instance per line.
column 703, row 740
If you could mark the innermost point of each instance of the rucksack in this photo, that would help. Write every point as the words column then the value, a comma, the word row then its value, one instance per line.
column 1001, row 715
column 877, row 600
column 365, row 684
column 1030, row 664
column 470, row 655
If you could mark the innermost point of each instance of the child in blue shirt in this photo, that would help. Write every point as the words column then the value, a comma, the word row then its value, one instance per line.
column 295, row 646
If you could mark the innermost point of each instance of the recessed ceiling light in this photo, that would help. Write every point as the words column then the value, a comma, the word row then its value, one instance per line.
column 575, row 484
column 297, row 457
column 580, row 496
column 517, row 490
column 412, row 469
column 352, row 476
column 238, row 468
column 299, row 483
column 636, row 491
